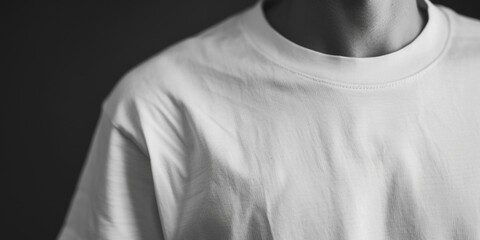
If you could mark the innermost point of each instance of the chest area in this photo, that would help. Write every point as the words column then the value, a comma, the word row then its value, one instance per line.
column 372, row 170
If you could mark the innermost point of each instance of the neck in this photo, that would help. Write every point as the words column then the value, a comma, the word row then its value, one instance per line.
column 353, row 28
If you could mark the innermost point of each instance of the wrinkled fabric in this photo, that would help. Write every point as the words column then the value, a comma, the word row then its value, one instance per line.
column 237, row 133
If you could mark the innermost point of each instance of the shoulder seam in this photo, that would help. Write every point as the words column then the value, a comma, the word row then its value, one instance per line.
column 127, row 135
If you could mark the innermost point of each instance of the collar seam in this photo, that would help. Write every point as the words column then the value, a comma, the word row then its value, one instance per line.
column 330, row 82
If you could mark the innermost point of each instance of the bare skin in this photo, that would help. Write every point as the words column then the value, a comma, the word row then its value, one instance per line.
column 351, row 28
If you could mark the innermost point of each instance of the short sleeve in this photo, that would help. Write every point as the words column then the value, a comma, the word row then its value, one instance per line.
column 136, row 174
column 115, row 196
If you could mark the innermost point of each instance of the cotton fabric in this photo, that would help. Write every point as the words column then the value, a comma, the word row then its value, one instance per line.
column 239, row 133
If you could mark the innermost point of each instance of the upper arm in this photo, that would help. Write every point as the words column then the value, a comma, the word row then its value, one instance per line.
column 115, row 196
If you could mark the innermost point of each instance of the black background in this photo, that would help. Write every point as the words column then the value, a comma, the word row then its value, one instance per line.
column 61, row 59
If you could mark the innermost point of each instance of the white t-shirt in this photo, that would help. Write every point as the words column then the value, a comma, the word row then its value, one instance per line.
column 239, row 133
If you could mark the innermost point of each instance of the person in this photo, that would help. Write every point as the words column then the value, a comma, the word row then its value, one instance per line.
column 305, row 119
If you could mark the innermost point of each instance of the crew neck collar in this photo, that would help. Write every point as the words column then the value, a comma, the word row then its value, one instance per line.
column 349, row 71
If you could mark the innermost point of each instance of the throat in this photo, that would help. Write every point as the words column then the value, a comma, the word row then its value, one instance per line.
column 351, row 28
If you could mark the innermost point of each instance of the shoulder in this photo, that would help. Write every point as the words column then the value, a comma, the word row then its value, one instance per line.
column 464, row 40
column 178, row 70
column 463, row 27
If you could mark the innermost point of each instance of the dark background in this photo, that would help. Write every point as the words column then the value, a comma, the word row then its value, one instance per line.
column 61, row 59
